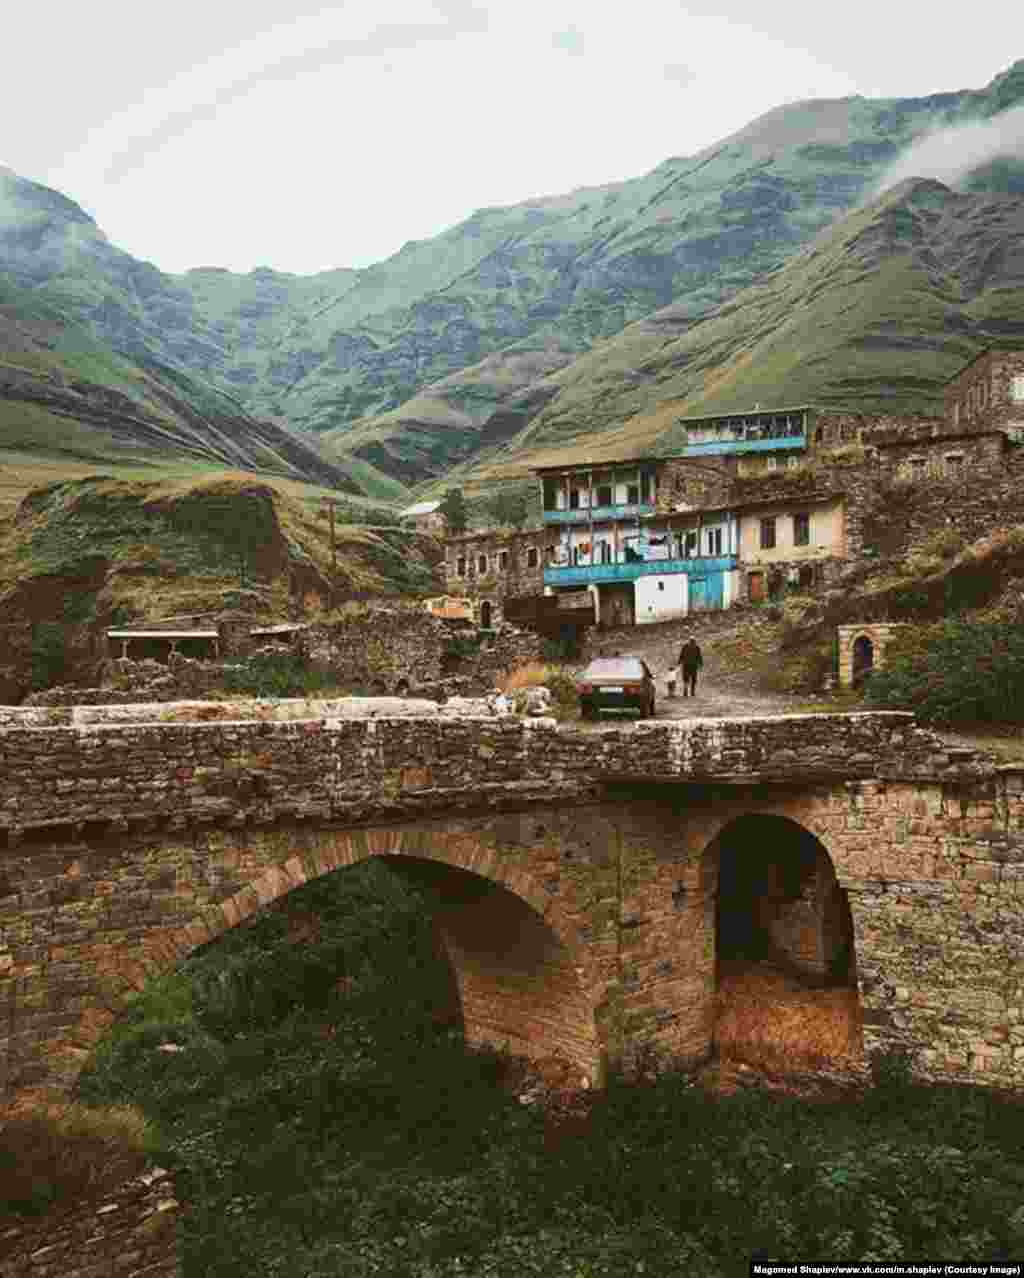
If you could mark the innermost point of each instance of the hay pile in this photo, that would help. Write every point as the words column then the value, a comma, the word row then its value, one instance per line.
column 774, row 1021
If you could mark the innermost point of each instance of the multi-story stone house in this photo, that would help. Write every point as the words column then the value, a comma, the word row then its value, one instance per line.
column 655, row 538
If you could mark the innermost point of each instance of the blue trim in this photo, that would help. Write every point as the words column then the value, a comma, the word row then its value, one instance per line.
column 599, row 514
column 718, row 447
column 587, row 574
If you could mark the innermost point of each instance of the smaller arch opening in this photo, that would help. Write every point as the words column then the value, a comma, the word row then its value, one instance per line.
column 785, row 969
column 863, row 659
column 485, row 615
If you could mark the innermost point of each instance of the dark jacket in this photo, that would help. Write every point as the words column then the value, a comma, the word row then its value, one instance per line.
column 690, row 656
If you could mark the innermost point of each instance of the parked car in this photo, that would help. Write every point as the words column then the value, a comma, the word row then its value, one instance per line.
column 616, row 683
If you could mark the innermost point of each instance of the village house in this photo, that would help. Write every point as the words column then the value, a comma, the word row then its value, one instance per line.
column 647, row 539
column 426, row 517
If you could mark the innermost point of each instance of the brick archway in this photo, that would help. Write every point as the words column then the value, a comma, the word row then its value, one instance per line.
column 524, row 979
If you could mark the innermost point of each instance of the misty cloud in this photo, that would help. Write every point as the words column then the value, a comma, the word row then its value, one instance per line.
column 679, row 73
column 950, row 154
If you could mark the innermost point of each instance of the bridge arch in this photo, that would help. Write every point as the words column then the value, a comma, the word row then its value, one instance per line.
column 524, row 981
column 784, row 943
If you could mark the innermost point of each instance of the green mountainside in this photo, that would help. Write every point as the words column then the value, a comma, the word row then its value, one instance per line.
column 524, row 326
column 876, row 314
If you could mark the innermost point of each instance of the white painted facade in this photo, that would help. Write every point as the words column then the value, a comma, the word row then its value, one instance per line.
column 661, row 598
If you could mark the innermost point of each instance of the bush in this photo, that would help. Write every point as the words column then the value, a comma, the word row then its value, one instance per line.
column 279, row 675
column 48, row 655
column 955, row 672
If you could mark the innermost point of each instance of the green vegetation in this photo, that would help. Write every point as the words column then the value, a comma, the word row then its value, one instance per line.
column 453, row 507
column 954, row 672
column 48, row 655
column 509, row 508
column 283, row 674
column 324, row 1119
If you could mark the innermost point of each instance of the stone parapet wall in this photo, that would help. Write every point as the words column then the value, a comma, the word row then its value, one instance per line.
column 340, row 767
column 132, row 1234
column 385, row 650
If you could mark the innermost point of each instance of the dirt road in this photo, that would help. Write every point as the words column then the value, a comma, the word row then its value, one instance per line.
column 726, row 688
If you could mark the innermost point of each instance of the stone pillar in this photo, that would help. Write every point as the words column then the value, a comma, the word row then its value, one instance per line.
column 233, row 641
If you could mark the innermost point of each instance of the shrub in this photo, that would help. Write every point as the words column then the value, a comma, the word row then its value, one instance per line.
column 279, row 675
column 955, row 672
column 48, row 655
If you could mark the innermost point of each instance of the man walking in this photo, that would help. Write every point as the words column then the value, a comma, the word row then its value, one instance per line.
column 691, row 659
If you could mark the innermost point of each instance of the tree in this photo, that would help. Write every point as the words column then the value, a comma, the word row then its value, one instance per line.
column 509, row 508
column 453, row 507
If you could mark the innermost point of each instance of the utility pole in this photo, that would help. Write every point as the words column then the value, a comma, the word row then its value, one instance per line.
column 330, row 503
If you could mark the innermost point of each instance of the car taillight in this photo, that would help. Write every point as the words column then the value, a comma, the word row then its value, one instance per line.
column 585, row 687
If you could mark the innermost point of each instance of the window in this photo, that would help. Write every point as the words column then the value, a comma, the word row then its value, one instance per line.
column 771, row 462
column 768, row 533
column 954, row 463
column 645, row 488
column 802, row 529
column 460, row 566
column 714, row 541
column 604, row 494
column 481, row 564
column 691, row 544
column 956, row 413
column 1017, row 390
column 633, row 494
column 574, row 499
column 503, row 561
column 531, row 557
column 606, row 551
column 917, row 467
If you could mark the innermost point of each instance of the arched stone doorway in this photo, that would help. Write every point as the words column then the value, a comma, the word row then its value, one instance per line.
column 863, row 659
column 785, row 965
column 485, row 615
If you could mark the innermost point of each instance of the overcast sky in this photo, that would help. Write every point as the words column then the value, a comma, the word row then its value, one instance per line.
column 286, row 134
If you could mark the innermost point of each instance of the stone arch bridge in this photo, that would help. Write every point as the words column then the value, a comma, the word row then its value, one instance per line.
column 582, row 876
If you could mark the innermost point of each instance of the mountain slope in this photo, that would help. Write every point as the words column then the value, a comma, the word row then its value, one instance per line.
column 709, row 227
column 877, row 315
column 64, row 392
column 455, row 344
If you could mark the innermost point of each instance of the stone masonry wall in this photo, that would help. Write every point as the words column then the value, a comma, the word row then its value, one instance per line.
column 513, row 575
column 128, row 846
column 981, row 393
column 130, row 1235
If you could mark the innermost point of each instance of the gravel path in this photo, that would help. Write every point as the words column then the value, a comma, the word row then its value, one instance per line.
column 726, row 689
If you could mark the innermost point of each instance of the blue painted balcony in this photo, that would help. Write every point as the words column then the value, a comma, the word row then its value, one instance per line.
column 595, row 574
column 599, row 514
column 722, row 447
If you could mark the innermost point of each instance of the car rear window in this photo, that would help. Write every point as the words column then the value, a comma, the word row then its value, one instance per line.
column 614, row 668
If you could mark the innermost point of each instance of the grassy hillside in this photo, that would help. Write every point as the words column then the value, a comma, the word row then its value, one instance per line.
column 876, row 314
column 78, row 555
column 456, row 344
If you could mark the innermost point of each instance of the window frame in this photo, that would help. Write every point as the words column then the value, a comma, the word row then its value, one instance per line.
column 768, row 532
column 801, row 528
